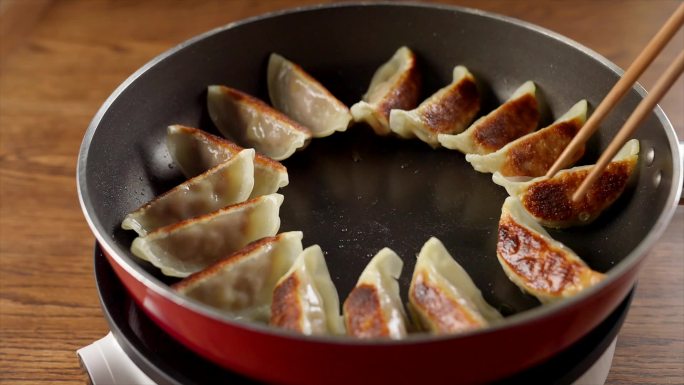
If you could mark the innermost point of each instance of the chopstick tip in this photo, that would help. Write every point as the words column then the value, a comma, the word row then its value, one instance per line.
column 577, row 196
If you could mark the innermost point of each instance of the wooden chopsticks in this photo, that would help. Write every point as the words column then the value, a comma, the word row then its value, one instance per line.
column 625, row 83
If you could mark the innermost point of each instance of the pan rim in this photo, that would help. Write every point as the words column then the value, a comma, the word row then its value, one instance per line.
column 534, row 314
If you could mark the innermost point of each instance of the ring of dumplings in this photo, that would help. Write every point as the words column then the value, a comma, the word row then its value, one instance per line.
column 219, row 229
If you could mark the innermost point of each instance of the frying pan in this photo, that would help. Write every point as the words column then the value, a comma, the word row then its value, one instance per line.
column 354, row 193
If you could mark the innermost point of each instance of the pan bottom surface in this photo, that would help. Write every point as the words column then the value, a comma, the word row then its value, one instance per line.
column 166, row 361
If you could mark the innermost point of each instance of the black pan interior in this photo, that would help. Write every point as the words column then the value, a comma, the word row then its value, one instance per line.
column 354, row 193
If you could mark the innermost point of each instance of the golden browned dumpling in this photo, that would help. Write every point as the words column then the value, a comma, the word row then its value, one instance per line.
column 241, row 285
column 442, row 296
column 252, row 123
column 550, row 202
column 189, row 246
column 305, row 299
column 304, row 99
column 535, row 262
column 196, row 151
column 533, row 154
column 448, row 111
column 518, row 116
column 228, row 183
column 395, row 85
column 373, row 309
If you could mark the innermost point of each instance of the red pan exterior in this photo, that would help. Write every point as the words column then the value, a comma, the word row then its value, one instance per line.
column 488, row 356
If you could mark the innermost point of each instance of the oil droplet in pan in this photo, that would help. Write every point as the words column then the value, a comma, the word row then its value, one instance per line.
column 584, row 216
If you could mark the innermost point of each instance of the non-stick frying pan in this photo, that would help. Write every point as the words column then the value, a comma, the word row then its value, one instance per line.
column 354, row 193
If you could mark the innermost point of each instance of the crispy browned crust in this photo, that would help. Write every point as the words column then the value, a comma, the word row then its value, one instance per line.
column 445, row 314
column 511, row 121
column 285, row 309
column 263, row 108
column 535, row 154
column 538, row 265
column 404, row 92
column 363, row 314
column 551, row 199
column 454, row 110
column 232, row 147
column 223, row 263
column 187, row 222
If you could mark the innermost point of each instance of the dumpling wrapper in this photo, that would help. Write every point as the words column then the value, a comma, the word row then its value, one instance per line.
column 537, row 263
column 373, row 309
column 301, row 97
column 442, row 297
column 448, row 111
column 549, row 201
column 305, row 299
column 194, row 244
column 226, row 184
column 518, row 116
column 395, row 85
column 242, row 284
column 533, row 154
column 252, row 123
column 195, row 151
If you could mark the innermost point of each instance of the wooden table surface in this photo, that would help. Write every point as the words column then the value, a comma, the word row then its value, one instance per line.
column 61, row 59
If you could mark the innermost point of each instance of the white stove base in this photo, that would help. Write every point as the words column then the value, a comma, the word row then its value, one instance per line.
column 107, row 364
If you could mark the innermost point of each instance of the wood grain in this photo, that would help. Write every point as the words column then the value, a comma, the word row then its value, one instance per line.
column 17, row 18
column 64, row 66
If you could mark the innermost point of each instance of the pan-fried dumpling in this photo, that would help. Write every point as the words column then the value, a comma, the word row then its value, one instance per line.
column 196, row 151
column 304, row 99
column 191, row 245
column 305, row 299
column 448, row 111
column 228, row 183
column 518, row 116
column 395, row 85
column 550, row 202
column 373, row 309
column 442, row 296
column 242, row 284
column 252, row 123
column 533, row 154
column 538, row 264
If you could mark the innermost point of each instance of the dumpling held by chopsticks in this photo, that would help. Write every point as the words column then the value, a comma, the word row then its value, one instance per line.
column 549, row 200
